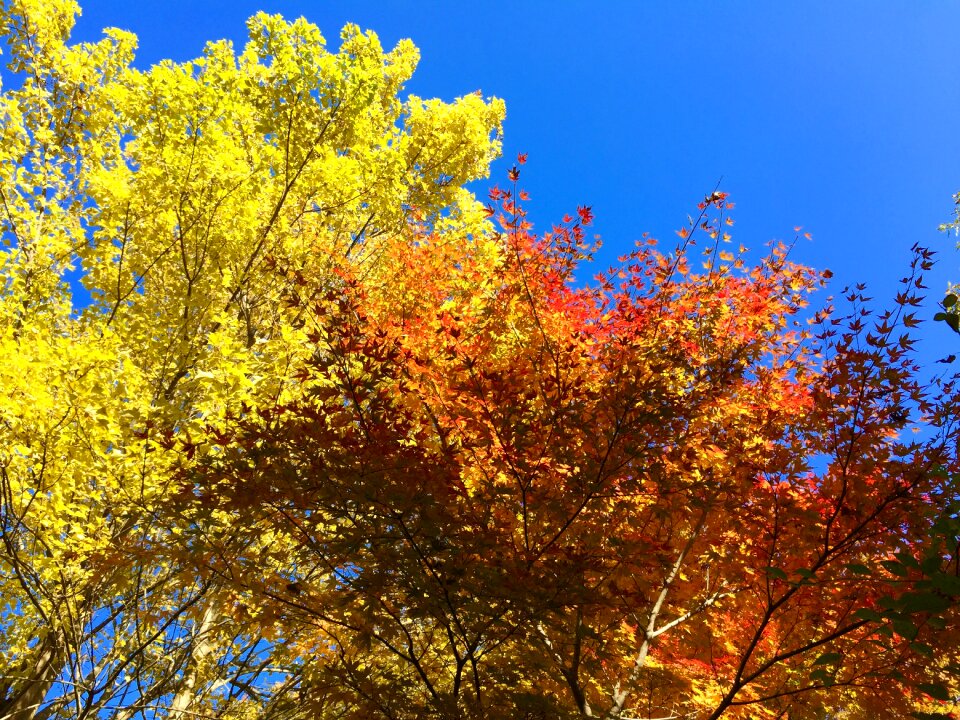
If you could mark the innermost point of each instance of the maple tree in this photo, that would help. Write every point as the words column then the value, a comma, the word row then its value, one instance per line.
column 497, row 494
column 331, row 439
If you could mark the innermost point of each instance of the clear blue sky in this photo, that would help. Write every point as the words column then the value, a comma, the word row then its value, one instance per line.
column 842, row 117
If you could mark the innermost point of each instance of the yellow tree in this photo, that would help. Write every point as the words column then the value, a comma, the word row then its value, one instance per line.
column 323, row 443
column 193, row 198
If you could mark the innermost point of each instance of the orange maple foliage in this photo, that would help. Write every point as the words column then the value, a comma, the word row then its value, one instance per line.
column 493, row 492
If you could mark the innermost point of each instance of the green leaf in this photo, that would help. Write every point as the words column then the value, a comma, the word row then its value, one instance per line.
column 924, row 602
column 934, row 690
column 830, row 658
column 937, row 623
column 859, row 569
column 954, row 322
column 930, row 565
column 949, row 584
column 868, row 614
column 922, row 649
column 823, row 675
column 887, row 603
column 895, row 568
column 940, row 317
column 905, row 628
column 907, row 560
column 950, row 300
column 777, row 573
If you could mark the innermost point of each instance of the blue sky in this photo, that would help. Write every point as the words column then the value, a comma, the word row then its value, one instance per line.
column 842, row 117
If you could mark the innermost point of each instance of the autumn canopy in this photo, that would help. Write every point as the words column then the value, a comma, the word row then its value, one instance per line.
column 293, row 426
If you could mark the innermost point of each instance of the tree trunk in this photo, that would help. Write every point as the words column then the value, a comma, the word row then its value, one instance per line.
column 202, row 646
column 24, row 698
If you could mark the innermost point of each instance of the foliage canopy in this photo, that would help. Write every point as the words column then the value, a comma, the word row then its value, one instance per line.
column 333, row 439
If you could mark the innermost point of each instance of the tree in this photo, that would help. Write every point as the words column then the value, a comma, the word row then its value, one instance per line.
column 496, row 493
column 948, row 305
column 173, row 193
column 330, row 439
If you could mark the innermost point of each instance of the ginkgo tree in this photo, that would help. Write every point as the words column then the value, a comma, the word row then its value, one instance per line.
column 173, row 193
column 332, row 439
